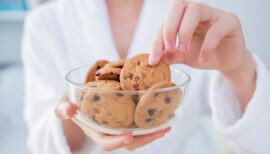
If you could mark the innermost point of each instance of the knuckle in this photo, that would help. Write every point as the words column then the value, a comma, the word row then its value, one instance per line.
column 234, row 18
column 216, row 33
column 180, row 3
column 184, row 34
column 194, row 6
column 169, row 31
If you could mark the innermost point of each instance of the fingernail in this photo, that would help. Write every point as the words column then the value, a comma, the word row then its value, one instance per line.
column 183, row 48
column 202, row 60
column 63, row 109
column 168, row 45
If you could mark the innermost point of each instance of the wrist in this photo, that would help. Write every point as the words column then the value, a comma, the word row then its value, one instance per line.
column 242, row 80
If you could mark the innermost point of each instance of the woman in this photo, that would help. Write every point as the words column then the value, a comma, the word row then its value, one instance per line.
column 65, row 34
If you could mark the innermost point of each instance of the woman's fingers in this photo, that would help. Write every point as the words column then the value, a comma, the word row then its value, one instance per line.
column 109, row 142
column 158, row 48
column 174, row 57
column 194, row 15
column 65, row 109
column 106, row 142
column 216, row 33
column 145, row 139
column 172, row 23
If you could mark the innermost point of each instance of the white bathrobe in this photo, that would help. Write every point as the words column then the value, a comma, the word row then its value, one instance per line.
column 68, row 33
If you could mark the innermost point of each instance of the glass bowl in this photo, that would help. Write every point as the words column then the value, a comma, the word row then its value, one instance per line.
column 76, row 91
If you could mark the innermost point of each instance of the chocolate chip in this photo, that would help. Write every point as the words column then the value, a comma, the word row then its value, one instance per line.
column 105, row 122
column 139, row 63
column 151, row 112
column 130, row 76
column 136, row 86
column 167, row 100
column 148, row 120
column 125, row 77
column 119, row 94
column 95, row 98
column 111, row 73
column 98, row 67
column 156, row 94
column 137, row 78
column 135, row 98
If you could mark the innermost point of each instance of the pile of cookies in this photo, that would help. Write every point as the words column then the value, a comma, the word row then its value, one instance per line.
column 129, row 93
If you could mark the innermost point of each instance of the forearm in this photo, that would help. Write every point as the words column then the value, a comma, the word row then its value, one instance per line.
column 74, row 134
column 243, row 80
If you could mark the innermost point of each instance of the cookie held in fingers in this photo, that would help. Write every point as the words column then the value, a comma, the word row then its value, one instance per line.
column 136, row 74
column 156, row 106
column 90, row 76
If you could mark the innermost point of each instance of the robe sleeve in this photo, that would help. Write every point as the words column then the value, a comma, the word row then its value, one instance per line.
column 44, row 83
column 248, row 132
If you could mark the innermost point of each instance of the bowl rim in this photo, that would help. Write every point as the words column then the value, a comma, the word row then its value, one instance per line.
column 82, row 86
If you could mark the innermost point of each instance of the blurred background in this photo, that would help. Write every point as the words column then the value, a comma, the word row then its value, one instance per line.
column 12, row 12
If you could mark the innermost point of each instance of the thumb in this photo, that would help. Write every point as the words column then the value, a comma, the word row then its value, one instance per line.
column 65, row 110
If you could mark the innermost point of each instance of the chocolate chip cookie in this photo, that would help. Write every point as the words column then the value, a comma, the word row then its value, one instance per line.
column 155, row 107
column 111, row 71
column 90, row 75
column 114, row 109
column 116, row 64
column 105, row 84
column 138, row 75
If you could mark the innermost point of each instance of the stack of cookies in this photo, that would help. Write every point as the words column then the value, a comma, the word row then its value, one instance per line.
column 129, row 93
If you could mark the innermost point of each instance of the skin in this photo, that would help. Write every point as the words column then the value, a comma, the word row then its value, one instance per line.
column 209, row 39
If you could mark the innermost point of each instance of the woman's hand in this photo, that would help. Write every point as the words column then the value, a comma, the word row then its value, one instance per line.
column 65, row 111
column 209, row 39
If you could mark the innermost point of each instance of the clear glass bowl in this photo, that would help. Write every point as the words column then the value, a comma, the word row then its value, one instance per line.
column 76, row 90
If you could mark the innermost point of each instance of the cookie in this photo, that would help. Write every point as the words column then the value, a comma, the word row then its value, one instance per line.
column 138, row 75
column 155, row 107
column 108, row 73
column 116, row 64
column 105, row 84
column 114, row 109
column 90, row 75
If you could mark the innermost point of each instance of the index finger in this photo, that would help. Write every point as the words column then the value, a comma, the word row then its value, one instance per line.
column 173, row 22
column 158, row 48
